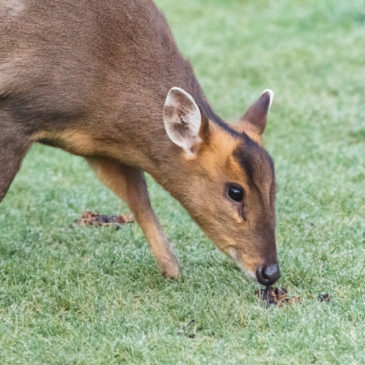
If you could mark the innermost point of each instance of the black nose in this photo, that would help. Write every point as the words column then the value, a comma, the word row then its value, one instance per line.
column 267, row 275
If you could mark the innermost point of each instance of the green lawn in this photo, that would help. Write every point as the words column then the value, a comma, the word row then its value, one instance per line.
column 95, row 296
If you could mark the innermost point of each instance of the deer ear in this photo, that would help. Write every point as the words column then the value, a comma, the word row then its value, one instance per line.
column 182, row 120
column 256, row 114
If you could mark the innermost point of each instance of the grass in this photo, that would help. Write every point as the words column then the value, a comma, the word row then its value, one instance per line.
column 94, row 296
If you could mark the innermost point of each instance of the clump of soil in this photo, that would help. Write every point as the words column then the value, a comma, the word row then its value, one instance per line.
column 324, row 297
column 100, row 220
column 279, row 296
column 276, row 296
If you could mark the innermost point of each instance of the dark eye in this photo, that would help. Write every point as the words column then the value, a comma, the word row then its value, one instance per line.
column 235, row 192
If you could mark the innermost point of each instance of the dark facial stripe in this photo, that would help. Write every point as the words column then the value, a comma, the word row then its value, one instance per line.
column 249, row 147
column 252, row 158
column 245, row 161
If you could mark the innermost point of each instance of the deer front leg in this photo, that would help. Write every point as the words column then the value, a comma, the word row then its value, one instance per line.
column 129, row 184
column 13, row 146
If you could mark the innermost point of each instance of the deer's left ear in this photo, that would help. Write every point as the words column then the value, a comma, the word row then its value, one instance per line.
column 183, row 120
column 256, row 115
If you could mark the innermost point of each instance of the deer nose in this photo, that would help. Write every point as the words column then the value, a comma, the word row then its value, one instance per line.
column 267, row 275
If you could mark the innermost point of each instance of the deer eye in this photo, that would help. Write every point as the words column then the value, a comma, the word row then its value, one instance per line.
column 235, row 192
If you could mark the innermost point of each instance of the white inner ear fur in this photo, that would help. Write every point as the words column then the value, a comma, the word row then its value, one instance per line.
column 271, row 95
column 182, row 119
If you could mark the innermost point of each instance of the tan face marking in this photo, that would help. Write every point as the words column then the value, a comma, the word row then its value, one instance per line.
column 250, row 242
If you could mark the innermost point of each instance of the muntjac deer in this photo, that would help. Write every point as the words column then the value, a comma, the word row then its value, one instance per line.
column 105, row 80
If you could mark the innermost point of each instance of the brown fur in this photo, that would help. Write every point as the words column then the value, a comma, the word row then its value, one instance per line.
column 129, row 184
column 91, row 78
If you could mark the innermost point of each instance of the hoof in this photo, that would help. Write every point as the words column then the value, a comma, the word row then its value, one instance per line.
column 170, row 268
column 172, row 273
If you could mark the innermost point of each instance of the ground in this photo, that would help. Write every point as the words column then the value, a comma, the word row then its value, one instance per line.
column 94, row 296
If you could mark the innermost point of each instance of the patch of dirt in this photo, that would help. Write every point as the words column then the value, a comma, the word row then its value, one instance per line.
column 324, row 297
column 99, row 220
column 279, row 296
column 276, row 296
column 190, row 329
